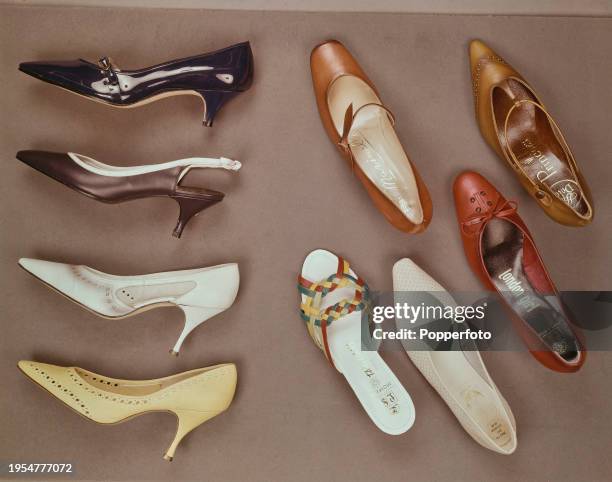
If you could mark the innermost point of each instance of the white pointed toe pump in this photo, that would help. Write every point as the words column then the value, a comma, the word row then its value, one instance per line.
column 201, row 293
column 459, row 377
column 194, row 396
column 333, row 298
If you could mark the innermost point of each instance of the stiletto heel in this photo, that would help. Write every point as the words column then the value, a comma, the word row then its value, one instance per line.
column 190, row 207
column 213, row 101
column 187, row 421
column 194, row 316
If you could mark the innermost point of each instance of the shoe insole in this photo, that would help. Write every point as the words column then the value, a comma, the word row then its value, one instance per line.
column 379, row 391
column 512, row 264
column 534, row 142
column 475, row 396
column 375, row 145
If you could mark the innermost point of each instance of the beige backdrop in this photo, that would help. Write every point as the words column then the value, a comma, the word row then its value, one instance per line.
column 293, row 417
column 499, row 7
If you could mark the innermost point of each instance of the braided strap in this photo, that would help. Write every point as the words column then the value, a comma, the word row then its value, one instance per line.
column 317, row 319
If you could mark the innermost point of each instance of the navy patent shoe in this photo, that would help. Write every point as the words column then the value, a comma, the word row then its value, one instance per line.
column 216, row 77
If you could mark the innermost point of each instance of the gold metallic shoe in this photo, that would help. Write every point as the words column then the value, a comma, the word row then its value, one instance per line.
column 515, row 123
column 194, row 396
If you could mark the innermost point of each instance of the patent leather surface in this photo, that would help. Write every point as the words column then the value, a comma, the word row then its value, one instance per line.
column 502, row 253
column 110, row 189
column 516, row 124
column 329, row 62
column 226, row 70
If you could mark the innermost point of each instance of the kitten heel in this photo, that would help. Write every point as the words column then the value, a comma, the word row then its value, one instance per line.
column 213, row 101
column 190, row 207
column 187, row 421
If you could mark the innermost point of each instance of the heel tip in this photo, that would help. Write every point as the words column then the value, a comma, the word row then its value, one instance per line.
column 207, row 123
column 174, row 353
column 168, row 458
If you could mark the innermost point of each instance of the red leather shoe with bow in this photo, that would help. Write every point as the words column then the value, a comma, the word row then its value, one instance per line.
column 501, row 251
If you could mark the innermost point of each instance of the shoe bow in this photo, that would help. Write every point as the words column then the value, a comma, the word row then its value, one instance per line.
column 502, row 210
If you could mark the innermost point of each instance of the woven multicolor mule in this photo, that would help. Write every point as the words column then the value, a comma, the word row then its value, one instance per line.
column 333, row 300
column 318, row 319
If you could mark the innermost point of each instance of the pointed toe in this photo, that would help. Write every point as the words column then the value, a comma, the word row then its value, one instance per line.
column 28, row 368
column 22, row 365
column 486, row 65
column 49, row 163
column 67, row 74
column 35, row 69
column 56, row 275
column 28, row 264
column 479, row 50
column 28, row 157
column 32, row 369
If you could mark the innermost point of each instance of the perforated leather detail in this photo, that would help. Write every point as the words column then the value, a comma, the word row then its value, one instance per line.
column 75, row 402
column 105, row 389
column 89, row 383
column 139, row 295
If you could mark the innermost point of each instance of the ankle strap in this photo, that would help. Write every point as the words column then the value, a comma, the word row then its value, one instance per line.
column 102, row 169
column 204, row 162
column 220, row 163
